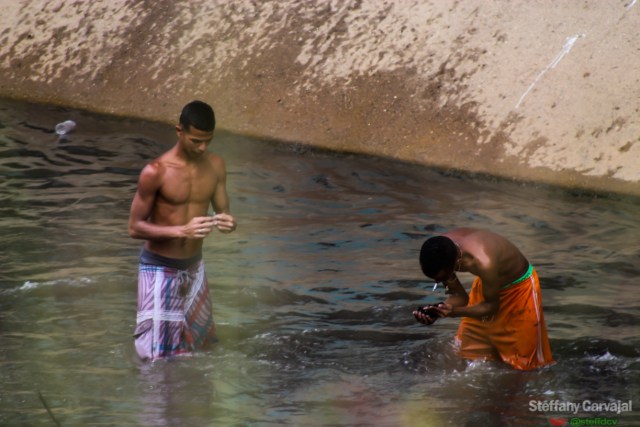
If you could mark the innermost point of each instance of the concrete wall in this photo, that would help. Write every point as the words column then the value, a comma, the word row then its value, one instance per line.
column 538, row 90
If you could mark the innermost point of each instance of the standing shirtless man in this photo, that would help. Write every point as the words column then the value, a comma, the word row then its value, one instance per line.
column 502, row 316
column 169, row 211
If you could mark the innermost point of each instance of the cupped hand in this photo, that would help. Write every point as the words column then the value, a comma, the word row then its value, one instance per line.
column 423, row 315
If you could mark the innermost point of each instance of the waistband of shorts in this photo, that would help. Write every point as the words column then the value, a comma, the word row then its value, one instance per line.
column 522, row 278
column 151, row 258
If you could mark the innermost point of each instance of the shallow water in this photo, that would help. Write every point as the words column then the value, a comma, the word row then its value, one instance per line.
column 313, row 293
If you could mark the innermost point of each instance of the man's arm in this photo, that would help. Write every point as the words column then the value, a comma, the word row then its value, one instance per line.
column 220, row 199
column 224, row 221
column 458, row 296
column 486, row 308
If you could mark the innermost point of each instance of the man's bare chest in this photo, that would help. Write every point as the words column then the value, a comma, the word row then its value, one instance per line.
column 188, row 185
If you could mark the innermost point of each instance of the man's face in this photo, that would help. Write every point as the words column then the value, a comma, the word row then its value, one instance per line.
column 194, row 141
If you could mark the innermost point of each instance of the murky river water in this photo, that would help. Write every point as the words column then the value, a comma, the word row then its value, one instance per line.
column 313, row 293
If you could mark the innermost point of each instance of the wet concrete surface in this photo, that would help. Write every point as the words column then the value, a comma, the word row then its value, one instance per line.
column 541, row 92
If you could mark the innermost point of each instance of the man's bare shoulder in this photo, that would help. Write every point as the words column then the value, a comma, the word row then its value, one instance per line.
column 216, row 162
column 483, row 245
column 486, row 241
column 464, row 232
column 162, row 162
column 476, row 234
column 215, row 159
column 152, row 169
column 155, row 170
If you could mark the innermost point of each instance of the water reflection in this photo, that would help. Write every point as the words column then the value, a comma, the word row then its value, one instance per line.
column 174, row 394
column 313, row 294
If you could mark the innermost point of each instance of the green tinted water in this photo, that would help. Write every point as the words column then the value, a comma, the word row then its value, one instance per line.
column 313, row 294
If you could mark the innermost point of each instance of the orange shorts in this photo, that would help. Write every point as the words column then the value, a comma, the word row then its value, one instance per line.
column 516, row 334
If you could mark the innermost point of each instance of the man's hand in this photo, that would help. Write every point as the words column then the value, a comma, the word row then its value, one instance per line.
column 199, row 227
column 444, row 309
column 427, row 314
column 225, row 223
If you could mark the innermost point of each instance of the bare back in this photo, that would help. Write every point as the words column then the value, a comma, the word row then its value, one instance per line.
column 489, row 256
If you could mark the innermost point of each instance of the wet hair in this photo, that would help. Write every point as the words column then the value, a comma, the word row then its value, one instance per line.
column 198, row 114
column 438, row 253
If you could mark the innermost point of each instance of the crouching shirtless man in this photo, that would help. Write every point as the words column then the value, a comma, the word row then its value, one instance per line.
column 502, row 316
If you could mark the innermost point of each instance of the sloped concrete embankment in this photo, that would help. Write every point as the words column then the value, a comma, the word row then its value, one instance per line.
column 546, row 91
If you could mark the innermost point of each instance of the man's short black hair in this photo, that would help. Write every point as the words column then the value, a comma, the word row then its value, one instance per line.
column 198, row 114
column 438, row 253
